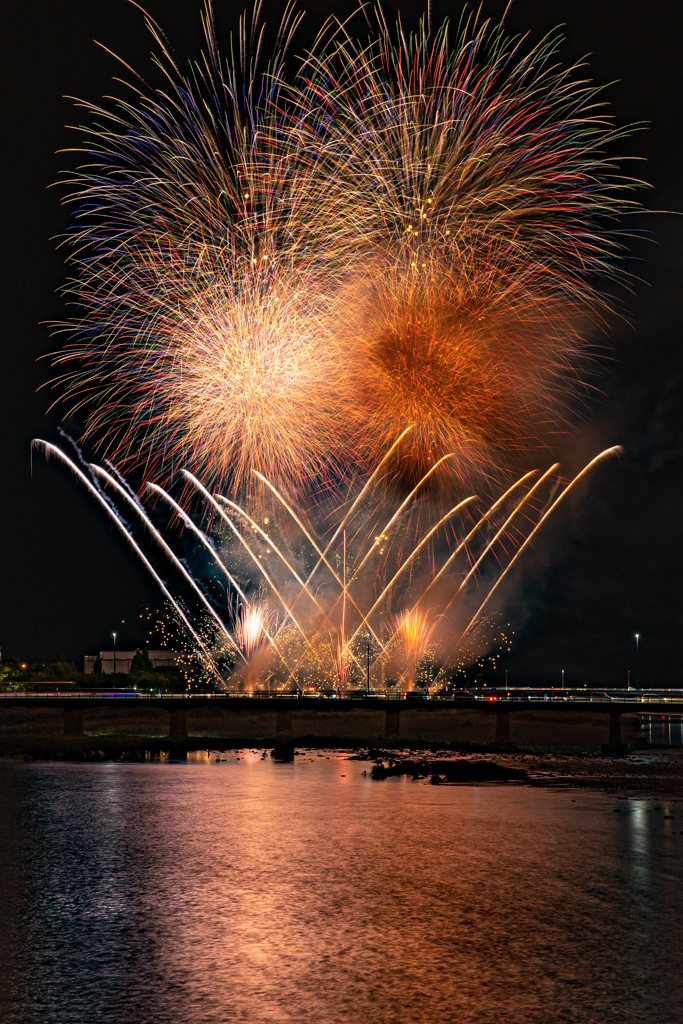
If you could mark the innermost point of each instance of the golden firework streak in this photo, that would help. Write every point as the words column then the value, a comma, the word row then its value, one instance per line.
column 608, row 451
column 51, row 449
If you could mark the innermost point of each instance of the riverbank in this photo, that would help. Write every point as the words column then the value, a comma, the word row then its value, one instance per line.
column 644, row 772
column 656, row 773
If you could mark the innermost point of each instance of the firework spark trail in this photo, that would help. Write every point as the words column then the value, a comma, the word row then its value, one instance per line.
column 342, row 662
column 254, row 557
column 518, row 507
column 361, row 494
column 168, row 551
column 477, row 526
column 408, row 561
column 303, row 584
column 598, row 458
column 400, row 509
column 345, row 588
column 51, row 449
column 607, row 452
column 341, row 656
column 323, row 559
column 180, row 512
column 122, row 481
column 487, row 548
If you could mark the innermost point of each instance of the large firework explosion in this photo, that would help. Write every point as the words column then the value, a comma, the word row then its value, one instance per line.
column 332, row 287
column 280, row 267
column 467, row 185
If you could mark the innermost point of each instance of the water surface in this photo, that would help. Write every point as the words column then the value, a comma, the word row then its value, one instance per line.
column 256, row 892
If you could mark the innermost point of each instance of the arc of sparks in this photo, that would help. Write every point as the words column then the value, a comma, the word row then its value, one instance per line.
column 168, row 551
column 323, row 557
column 368, row 483
column 51, row 449
column 266, row 537
column 200, row 487
column 502, row 530
column 615, row 449
column 412, row 555
column 402, row 506
column 345, row 586
column 472, row 532
column 216, row 557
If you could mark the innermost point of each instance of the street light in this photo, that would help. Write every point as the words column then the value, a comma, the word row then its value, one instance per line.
column 114, row 635
column 637, row 661
column 563, row 679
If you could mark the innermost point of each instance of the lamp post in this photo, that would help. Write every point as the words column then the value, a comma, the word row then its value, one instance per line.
column 563, row 679
column 637, row 661
column 114, row 635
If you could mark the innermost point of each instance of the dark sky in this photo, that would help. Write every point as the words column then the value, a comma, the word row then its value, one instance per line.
column 607, row 566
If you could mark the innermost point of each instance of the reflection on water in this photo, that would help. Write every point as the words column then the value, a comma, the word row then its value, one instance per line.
column 254, row 892
column 666, row 730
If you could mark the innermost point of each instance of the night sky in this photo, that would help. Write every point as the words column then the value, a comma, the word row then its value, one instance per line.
column 608, row 565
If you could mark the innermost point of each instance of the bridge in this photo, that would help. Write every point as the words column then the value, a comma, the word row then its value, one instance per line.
column 500, row 704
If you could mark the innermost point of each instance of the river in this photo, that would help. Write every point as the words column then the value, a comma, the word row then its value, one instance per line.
column 253, row 892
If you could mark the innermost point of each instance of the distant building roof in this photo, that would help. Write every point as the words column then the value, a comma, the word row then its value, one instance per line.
column 124, row 660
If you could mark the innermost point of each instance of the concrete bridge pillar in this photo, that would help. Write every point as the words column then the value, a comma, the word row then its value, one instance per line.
column 392, row 720
column 614, row 728
column 177, row 724
column 502, row 728
column 73, row 722
column 283, row 723
column 615, row 745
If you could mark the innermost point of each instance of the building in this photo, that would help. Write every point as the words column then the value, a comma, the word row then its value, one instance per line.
column 124, row 660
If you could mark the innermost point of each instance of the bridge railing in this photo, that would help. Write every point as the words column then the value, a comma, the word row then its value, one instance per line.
column 515, row 695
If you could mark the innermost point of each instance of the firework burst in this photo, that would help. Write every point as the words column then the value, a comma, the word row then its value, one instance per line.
column 413, row 630
column 468, row 190
column 203, row 327
column 279, row 272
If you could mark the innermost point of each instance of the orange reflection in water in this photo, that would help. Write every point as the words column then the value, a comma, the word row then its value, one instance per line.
column 250, row 891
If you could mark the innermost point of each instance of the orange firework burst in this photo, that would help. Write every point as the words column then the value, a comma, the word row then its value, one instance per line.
column 471, row 201
column 413, row 628
column 477, row 373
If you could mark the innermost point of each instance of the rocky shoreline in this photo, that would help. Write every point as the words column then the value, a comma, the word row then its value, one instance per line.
column 648, row 772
